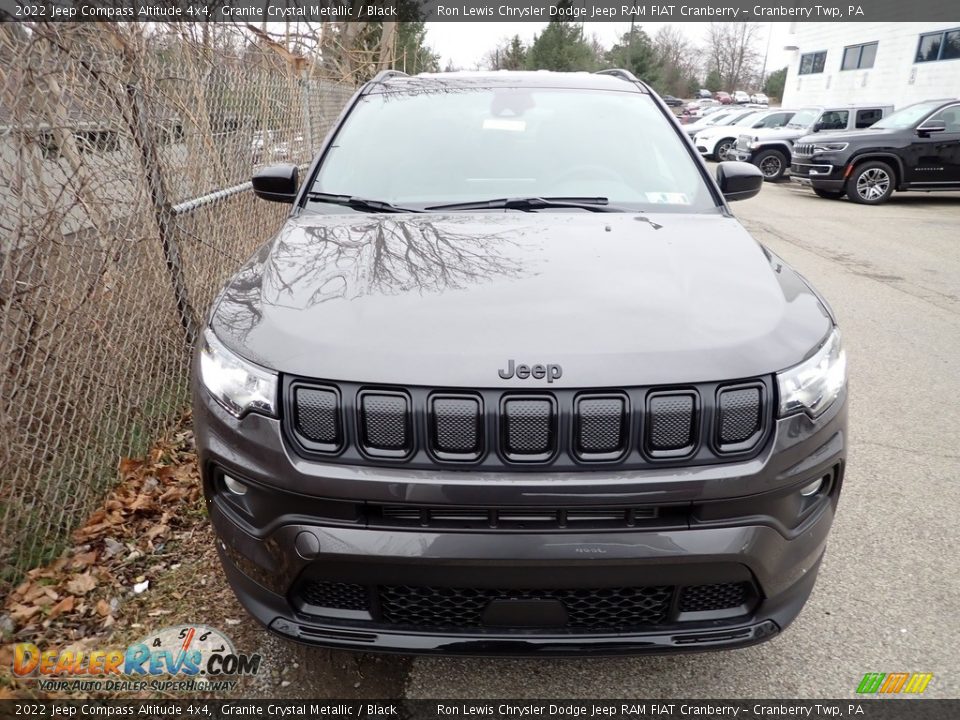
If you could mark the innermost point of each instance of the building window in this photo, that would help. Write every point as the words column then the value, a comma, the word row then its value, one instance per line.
column 812, row 63
column 49, row 149
column 89, row 141
column 943, row 45
column 859, row 57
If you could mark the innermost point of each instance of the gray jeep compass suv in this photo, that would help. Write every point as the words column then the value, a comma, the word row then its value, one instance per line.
column 512, row 379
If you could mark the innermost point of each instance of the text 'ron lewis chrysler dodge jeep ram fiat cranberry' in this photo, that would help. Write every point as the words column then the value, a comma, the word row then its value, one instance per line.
column 512, row 379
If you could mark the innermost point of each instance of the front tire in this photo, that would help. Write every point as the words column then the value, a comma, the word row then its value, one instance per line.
column 871, row 183
column 829, row 194
column 772, row 163
column 722, row 148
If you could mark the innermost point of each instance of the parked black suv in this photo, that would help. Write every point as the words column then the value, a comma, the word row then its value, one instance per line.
column 512, row 379
column 916, row 148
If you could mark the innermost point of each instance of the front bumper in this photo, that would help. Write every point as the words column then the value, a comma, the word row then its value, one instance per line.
column 816, row 173
column 303, row 521
column 739, row 154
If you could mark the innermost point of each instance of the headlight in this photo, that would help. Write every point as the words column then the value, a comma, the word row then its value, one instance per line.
column 238, row 385
column 814, row 384
column 829, row 147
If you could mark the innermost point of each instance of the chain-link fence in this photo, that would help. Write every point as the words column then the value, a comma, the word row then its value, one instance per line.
column 125, row 157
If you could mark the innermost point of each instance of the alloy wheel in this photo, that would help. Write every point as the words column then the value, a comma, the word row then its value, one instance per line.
column 770, row 166
column 873, row 183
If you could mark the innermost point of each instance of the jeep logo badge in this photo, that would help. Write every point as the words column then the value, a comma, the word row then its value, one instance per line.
column 538, row 372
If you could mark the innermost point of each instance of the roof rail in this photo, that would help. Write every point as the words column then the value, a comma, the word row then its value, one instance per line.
column 620, row 73
column 387, row 74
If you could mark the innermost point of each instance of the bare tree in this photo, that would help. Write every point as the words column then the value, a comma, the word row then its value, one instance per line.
column 678, row 59
column 731, row 53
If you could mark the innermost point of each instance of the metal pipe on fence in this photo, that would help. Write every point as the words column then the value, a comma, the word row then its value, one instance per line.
column 188, row 206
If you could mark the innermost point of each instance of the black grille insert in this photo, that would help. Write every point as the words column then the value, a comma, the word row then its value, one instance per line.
column 336, row 595
column 456, row 425
column 317, row 416
column 587, row 608
column 740, row 417
column 706, row 598
column 385, row 423
column 671, row 424
column 529, row 428
column 600, row 427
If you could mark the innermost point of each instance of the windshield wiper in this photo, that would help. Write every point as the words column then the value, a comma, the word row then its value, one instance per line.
column 359, row 203
column 593, row 204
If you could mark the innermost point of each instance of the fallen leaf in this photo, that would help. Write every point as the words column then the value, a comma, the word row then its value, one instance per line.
column 103, row 608
column 64, row 606
column 81, row 584
column 156, row 531
column 23, row 613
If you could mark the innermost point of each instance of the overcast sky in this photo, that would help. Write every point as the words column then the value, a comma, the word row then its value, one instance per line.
column 465, row 43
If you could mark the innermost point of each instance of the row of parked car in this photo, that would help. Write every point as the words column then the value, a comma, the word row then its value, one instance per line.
column 864, row 152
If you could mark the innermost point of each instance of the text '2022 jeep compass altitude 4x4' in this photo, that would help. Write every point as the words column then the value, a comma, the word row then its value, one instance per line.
column 511, row 379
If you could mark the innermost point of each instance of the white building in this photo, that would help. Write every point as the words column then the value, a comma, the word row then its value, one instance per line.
column 873, row 62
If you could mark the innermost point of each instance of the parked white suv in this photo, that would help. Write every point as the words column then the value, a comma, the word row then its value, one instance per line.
column 715, row 141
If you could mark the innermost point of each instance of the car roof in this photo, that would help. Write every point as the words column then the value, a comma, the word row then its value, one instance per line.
column 506, row 78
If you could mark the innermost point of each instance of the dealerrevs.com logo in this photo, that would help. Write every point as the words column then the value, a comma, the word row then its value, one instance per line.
column 894, row 683
column 188, row 658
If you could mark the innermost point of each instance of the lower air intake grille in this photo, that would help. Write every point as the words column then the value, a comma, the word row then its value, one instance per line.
column 723, row 596
column 340, row 596
column 385, row 423
column 670, row 428
column 596, row 609
column 317, row 416
column 529, row 432
column 740, row 418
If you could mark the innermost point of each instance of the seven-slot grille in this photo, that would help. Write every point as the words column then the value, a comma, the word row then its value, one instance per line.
column 563, row 429
column 803, row 149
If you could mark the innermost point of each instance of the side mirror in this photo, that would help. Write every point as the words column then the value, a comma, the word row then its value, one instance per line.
column 934, row 126
column 277, row 183
column 739, row 180
column 817, row 127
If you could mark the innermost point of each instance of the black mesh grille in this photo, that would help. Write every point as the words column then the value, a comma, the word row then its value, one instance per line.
column 341, row 596
column 739, row 414
column 528, row 426
column 385, row 422
column 723, row 596
column 317, row 415
column 670, row 424
column 600, row 425
column 595, row 609
column 456, row 425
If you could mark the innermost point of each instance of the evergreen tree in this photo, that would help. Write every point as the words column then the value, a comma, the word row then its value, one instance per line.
column 775, row 82
column 562, row 47
column 635, row 52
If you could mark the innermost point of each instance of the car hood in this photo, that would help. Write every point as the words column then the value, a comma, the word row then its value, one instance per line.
column 448, row 300
column 878, row 135
column 781, row 133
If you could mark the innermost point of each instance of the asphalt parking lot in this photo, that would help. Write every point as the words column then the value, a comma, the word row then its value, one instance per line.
column 887, row 597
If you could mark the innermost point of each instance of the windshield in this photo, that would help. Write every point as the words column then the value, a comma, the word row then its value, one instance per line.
column 804, row 118
column 458, row 144
column 907, row 117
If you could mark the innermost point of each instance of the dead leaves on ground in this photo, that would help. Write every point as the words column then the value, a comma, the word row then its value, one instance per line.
column 79, row 594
